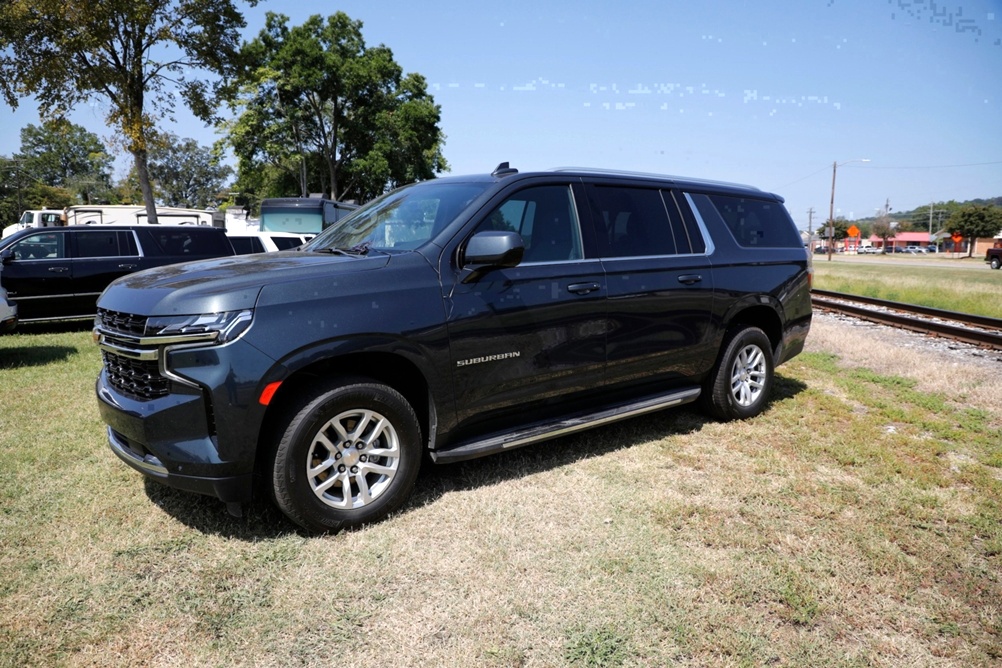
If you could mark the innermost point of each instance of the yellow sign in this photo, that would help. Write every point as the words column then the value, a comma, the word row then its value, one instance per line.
column 853, row 231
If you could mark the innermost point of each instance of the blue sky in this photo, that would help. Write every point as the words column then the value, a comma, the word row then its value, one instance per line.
column 752, row 92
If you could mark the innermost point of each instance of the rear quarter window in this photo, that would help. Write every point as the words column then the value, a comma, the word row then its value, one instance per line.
column 190, row 242
column 754, row 223
column 104, row 243
column 246, row 245
column 285, row 243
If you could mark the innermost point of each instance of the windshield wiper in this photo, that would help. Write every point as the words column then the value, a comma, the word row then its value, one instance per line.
column 354, row 251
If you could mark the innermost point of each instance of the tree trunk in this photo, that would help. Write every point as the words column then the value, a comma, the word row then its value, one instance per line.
column 142, row 170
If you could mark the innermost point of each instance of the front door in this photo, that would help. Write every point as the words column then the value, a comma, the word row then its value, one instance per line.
column 523, row 336
column 38, row 275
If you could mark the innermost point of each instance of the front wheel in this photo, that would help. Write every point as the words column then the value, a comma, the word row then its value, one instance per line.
column 996, row 263
column 740, row 384
column 349, row 455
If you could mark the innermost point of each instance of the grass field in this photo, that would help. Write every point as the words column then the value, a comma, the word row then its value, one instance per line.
column 858, row 522
column 966, row 285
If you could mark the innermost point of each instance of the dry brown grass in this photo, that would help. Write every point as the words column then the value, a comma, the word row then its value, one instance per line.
column 962, row 372
column 853, row 524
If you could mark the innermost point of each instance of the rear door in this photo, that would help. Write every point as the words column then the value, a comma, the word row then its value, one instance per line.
column 660, row 285
column 99, row 257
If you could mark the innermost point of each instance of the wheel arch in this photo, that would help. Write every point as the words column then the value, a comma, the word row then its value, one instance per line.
column 387, row 368
column 763, row 315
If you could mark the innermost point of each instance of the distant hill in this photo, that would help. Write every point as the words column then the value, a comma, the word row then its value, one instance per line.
column 919, row 217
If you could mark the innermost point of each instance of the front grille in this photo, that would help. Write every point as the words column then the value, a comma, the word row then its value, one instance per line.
column 136, row 378
column 123, row 323
column 139, row 379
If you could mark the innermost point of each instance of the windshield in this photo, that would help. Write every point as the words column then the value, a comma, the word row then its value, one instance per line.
column 291, row 219
column 401, row 220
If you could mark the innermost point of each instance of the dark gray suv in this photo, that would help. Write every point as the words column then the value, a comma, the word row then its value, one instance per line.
column 452, row 318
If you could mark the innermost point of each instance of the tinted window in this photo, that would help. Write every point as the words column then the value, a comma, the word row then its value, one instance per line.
column 246, row 245
column 192, row 241
column 753, row 222
column 44, row 246
column 285, row 243
column 546, row 219
column 636, row 222
column 693, row 236
column 103, row 243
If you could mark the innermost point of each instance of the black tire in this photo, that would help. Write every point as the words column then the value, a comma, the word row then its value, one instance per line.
column 740, row 383
column 996, row 263
column 325, row 476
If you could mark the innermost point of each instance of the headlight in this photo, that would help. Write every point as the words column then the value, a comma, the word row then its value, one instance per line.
column 226, row 326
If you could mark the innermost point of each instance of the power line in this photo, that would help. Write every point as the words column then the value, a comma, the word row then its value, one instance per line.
column 969, row 164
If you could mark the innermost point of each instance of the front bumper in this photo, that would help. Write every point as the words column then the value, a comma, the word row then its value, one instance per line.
column 170, row 439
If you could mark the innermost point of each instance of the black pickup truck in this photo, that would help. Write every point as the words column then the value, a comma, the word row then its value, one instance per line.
column 994, row 257
column 452, row 318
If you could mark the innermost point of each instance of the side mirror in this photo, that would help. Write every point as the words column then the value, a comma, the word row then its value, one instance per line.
column 6, row 256
column 493, row 249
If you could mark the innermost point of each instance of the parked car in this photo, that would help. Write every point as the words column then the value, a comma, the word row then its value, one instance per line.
column 8, row 313
column 457, row 317
column 993, row 256
column 58, row 272
column 870, row 250
column 245, row 242
column 915, row 250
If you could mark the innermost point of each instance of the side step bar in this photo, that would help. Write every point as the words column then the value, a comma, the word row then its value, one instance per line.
column 568, row 425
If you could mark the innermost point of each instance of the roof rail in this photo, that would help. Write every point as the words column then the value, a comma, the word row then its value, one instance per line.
column 621, row 172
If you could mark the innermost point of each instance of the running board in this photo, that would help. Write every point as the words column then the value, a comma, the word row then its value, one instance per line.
column 547, row 430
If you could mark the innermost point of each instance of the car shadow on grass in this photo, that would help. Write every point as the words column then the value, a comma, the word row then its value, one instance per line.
column 22, row 356
column 262, row 520
column 55, row 326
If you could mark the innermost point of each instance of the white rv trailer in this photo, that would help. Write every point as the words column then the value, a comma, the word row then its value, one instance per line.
column 111, row 214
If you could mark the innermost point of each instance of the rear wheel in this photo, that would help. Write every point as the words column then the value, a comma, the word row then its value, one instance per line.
column 740, row 384
column 996, row 262
column 348, row 455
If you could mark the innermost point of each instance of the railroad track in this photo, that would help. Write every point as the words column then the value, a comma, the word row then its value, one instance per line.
column 973, row 329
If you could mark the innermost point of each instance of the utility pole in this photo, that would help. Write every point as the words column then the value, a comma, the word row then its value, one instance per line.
column 810, row 229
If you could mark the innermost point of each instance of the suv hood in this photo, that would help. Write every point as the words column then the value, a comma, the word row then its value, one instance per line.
column 224, row 284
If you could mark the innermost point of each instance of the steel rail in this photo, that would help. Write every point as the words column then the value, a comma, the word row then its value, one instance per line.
column 915, row 318
column 966, row 318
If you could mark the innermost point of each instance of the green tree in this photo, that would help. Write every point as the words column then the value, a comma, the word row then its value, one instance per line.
column 62, row 154
column 320, row 106
column 136, row 54
column 974, row 222
column 20, row 190
column 186, row 174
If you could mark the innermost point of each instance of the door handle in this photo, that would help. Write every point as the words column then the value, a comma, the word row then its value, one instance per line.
column 689, row 279
column 58, row 270
column 582, row 288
